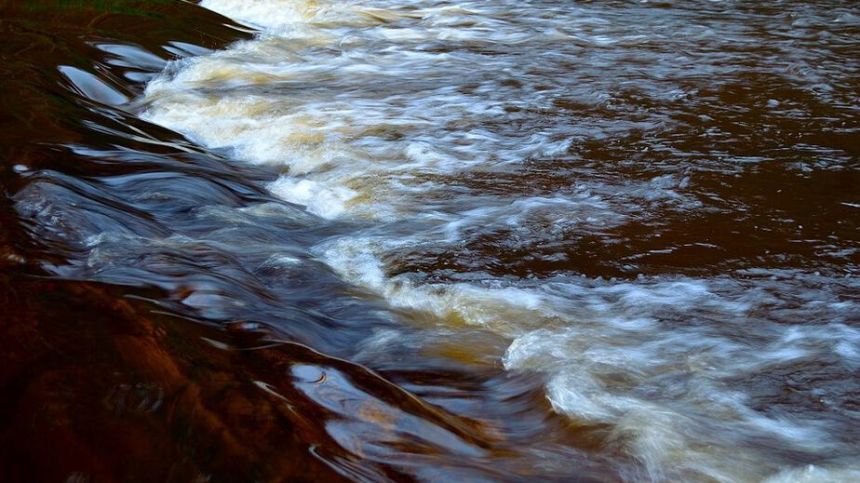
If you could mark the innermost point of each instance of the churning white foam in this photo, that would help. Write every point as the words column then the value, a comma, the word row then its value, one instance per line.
column 662, row 361
column 382, row 112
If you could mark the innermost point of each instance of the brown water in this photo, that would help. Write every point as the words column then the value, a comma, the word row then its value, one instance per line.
column 543, row 240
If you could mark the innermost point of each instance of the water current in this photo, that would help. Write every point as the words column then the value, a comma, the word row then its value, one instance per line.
column 562, row 239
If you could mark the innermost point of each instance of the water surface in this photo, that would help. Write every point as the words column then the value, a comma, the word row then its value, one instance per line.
column 494, row 240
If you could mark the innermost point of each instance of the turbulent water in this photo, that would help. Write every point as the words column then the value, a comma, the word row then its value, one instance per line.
column 649, row 210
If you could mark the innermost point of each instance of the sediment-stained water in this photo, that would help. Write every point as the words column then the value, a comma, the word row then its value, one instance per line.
column 540, row 240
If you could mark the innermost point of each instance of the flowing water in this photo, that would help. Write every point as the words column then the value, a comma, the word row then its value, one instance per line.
column 576, row 240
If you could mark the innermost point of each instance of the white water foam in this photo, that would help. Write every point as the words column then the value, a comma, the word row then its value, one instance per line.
column 381, row 112
column 627, row 354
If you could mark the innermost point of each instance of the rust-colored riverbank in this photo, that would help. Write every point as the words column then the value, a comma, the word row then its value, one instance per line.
column 95, row 386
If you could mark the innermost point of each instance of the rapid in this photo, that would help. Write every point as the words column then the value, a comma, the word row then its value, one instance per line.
column 630, row 229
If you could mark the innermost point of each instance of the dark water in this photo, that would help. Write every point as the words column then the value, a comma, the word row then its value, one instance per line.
column 502, row 241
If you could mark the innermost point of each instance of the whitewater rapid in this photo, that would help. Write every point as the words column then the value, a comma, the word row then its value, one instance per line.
column 440, row 130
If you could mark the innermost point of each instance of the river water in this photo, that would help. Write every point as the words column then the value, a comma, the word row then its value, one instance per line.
column 588, row 240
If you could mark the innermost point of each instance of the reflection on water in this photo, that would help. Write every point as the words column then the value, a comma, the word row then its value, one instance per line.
column 425, row 240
